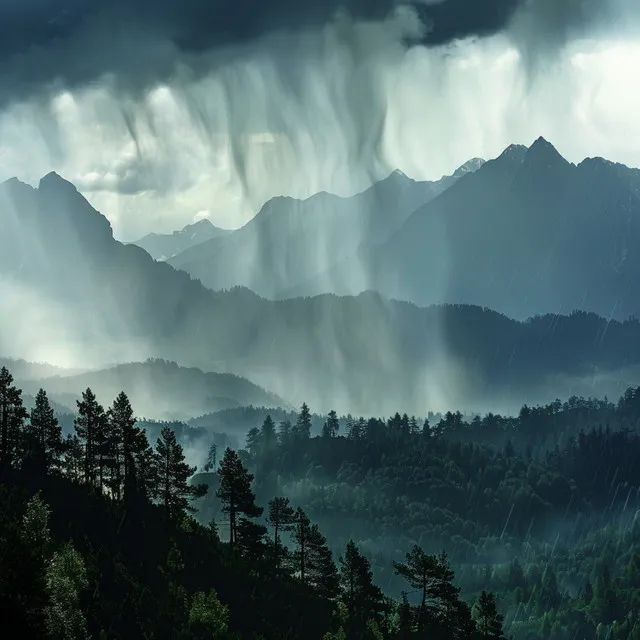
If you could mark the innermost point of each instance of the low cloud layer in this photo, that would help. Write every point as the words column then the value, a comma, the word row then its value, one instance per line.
column 161, row 111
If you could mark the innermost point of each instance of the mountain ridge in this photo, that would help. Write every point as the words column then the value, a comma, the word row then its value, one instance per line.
column 165, row 246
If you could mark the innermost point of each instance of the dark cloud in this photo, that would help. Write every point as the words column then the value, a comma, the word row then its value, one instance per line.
column 74, row 42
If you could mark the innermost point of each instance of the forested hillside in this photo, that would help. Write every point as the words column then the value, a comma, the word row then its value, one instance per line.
column 542, row 508
column 96, row 541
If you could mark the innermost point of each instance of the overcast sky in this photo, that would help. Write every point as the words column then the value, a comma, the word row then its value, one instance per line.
column 163, row 112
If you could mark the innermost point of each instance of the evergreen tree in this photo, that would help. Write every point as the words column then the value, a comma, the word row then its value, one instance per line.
column 488, row 620
column 285, row 432
column 363, row 599
column 250, row 539
column 281, row 517
column 432, row 577
column 235, row 491
column 302, row 428
column 321, row 570
column 268, row 434
column 132, row 461
column 90, row 427
column 12, row 417
column 174, row 490
column 43, row 434
column 331, row 426
column 211, row 458
column 301, row 534
column 73, row 459
column 254, row 442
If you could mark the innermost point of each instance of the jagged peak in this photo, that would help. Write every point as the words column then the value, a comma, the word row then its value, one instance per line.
column 543, row 150
column 515, row 152
column 54, row 180
column 470, row 166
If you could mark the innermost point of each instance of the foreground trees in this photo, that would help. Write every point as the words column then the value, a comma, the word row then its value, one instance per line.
column 110, row 467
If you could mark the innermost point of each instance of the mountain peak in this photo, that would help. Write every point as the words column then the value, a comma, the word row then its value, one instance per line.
column 543, row 150
column 468, row 167
column 54, row 180
column 514, row 152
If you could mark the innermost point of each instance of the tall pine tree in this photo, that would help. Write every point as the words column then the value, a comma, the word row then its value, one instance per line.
column 12, row 417
column 281, row 517
column 173, row 473
column 235, row 492
column 90, row 425
column 43, row 435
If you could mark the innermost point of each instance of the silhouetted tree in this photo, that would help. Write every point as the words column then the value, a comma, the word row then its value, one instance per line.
column 12, row 417
column 363, row 599
column 488, row 620
column 331, row 426
column 235, row 491
column 211, row 458
column 281, row 517
column 268, row 434
column 321, row 571
column 43, row 434
column 90, row 427
column 174, row 490
column 302, row 427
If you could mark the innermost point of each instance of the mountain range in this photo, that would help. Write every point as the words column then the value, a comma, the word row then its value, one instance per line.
column 291, row 240
column 164, row 246
column 524, row 234
column 70, row 289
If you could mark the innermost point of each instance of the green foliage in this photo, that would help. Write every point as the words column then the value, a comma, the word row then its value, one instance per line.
column 208, row 617
column 66, row 580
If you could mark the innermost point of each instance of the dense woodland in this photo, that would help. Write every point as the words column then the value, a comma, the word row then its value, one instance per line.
column 541, row 508
column 97, row 540
column 451, row 527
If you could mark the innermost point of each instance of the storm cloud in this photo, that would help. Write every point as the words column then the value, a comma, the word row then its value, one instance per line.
column 161, row 110
column 71, row 43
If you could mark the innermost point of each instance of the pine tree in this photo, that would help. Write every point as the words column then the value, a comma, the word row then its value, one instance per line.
column 285, row 432
column 488, row 620
column 250, row 539
column 132, row 457
column 302, row 428
column 268, row 434
column 12, row 417
column 173, row 472
column 254, row 442
column 360, row 595
column 432, row 577
column 235, row 491
column 331, row 426
column 43, row 434
column 301, row 533
column 73, row 459
column 281, row 517
column 90, row 427
column 321, row 570
column 211, row 458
